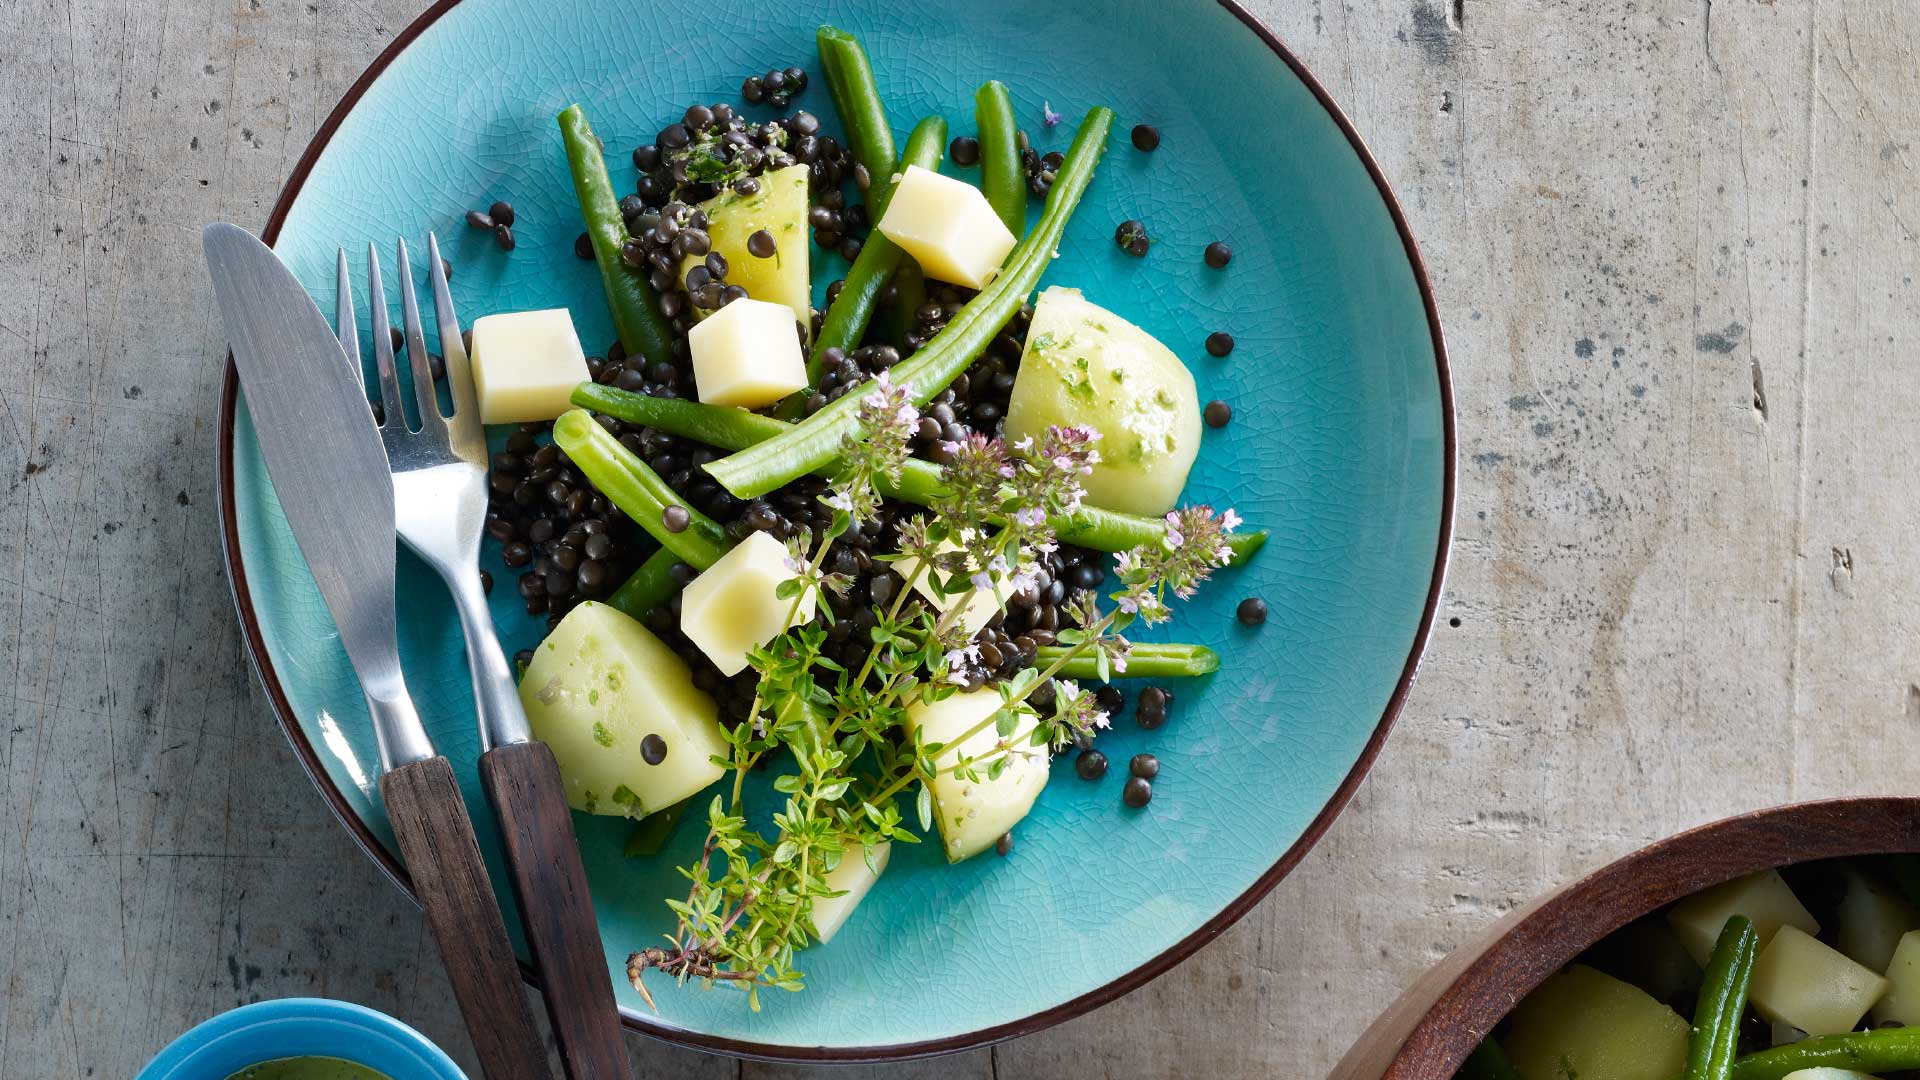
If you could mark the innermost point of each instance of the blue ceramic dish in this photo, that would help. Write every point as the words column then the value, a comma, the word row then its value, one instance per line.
column 1341, row 446
column 296, row 1027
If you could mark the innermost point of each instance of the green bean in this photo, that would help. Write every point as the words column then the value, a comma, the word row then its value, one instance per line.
column 815, row 441
column 1003, row 177
column 637, row 490
column 1722, row 1000
column 847, row 317
column 636, row 310
column 909, row 292
column 647, row 587
column 1487, row 1062
column 1877, row 1051
column 857, row 100
column 737, row 429
column 1146, row 661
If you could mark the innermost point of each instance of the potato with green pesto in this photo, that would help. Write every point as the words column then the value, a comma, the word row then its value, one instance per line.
column 1583, row 1023
column 779, row 206
column 631, row 732
column 973, row 813
column 1085, row 365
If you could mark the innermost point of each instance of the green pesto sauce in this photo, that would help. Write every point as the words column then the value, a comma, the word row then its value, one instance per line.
column 308, row 1068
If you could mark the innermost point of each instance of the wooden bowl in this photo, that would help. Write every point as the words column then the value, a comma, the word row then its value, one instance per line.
column 1436, row 1023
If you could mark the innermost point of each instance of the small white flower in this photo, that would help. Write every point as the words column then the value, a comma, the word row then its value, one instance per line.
column 1229, row 520
column 1024, row 443
column 981, row 581
column 841, row 500
column 1031, row 517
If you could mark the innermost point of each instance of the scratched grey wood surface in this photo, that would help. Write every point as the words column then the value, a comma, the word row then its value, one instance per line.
column 1674, row 252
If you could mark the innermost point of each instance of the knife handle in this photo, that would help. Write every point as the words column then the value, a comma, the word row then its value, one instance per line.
column 436, row 839
column 543, row 859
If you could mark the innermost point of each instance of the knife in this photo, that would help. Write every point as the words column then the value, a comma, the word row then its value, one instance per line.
column 310, row 415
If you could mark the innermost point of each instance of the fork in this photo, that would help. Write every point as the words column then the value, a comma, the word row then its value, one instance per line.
column 440, row 502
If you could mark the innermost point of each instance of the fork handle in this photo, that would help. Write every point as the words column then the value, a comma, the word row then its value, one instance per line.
column 543, row 859
column 503, row 720
column 436, row 839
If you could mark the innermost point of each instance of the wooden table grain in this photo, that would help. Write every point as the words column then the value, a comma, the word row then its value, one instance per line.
column 1674, row 248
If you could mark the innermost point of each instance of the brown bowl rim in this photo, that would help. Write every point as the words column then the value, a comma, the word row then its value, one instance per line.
column 310, row 760
column 1568, row 921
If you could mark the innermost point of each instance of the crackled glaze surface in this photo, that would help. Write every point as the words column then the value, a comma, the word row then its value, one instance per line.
column 1337, row 447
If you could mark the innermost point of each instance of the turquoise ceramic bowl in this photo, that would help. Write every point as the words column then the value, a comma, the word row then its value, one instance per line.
column 1341, row 446
column 296, row 1027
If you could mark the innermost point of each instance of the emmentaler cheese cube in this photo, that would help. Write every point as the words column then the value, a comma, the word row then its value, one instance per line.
column 747, row 354
column 733, row 607
column 980, row 610
column 525, row 365
column 947, row 226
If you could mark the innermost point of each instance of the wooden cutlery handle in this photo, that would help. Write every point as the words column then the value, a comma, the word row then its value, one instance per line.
column 436, row 840
column 543, row 859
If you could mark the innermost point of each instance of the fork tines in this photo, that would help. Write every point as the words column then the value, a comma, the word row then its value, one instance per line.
column 458, row 434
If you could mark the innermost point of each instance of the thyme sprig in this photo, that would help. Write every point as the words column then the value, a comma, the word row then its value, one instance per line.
column 848, row 758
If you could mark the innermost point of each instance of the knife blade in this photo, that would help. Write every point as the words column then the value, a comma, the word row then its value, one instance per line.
column 324, row 456
column 329, row 470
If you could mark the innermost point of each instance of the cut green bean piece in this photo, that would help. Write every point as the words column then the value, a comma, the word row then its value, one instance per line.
column 815, row 441
column 636, row 310
column 1722, row 1000
column 1877, row 1051
column 737, row 429
column 850, row 83
column 637, row 490
column 650, row 833
column 1003, row 177
column 648, row 587
column 847, row 317
column 1487, row 1062
column 1145, row 661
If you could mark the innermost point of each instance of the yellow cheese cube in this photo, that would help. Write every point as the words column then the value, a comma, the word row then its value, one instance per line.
column 980, row 610
column 948, row 226
column 747, row 354
column 853, row 877
column 525, row 365
column 1763, row 898
column 1901, row 1003
column 732, row 607
column 1800, row 981
column 973, row 813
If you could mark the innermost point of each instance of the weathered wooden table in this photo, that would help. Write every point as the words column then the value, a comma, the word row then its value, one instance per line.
column 1673, row 244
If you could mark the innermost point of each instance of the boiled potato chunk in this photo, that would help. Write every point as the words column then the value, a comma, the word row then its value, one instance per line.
column 1901, row 1003
column 598, row 686
column 1873, row 918
column 972, row 814
column 1593, row 1026
column 1085, row 365
column 733, row 606
column 1763, row 898
column 980, row 610
column 525, row 365
column 747, row 354
column 1801, row 981
column 947, row 226
column 854, row 878
column 780, row 207
column 1826, row 1072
